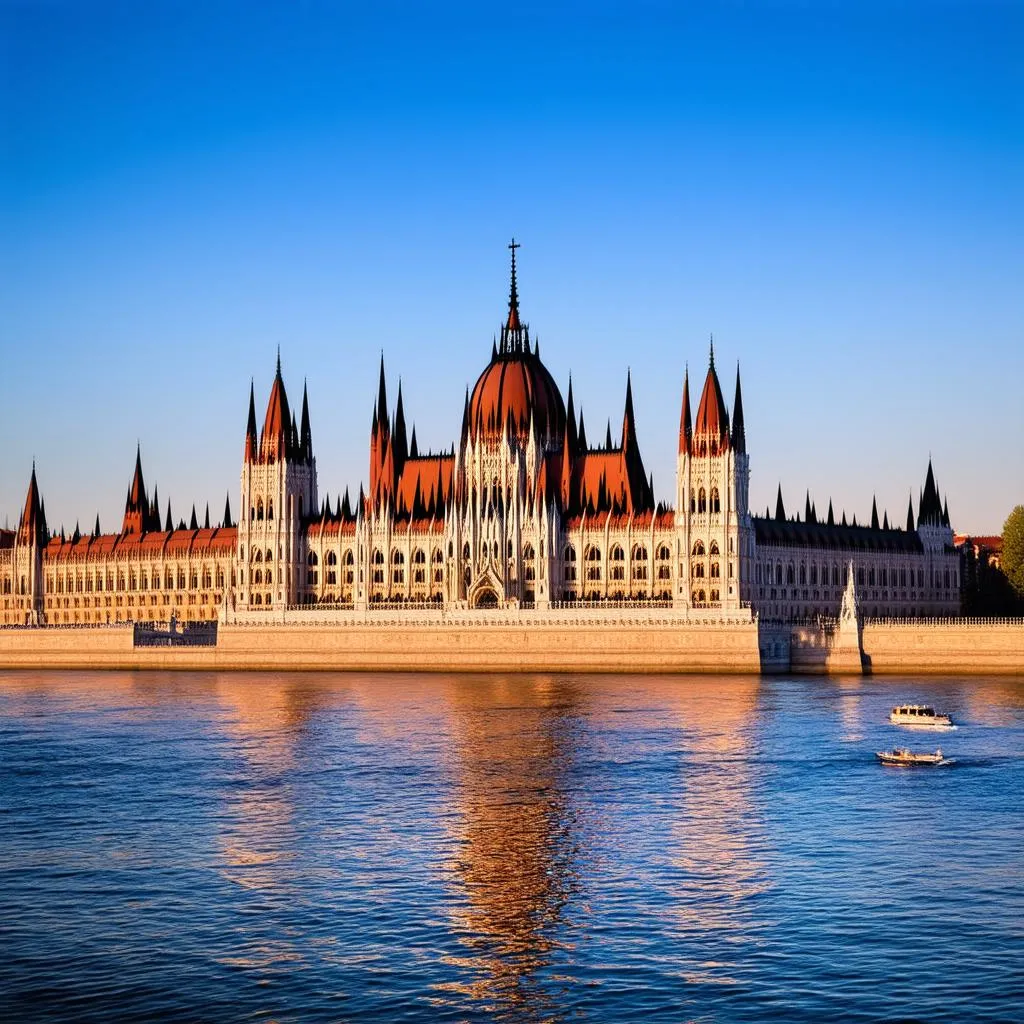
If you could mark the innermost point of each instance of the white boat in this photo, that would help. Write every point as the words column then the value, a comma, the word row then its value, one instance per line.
column 904, row 758
column 920, row 715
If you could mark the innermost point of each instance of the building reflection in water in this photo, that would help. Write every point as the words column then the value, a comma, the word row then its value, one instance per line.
column 516, row 837
column 718, row 837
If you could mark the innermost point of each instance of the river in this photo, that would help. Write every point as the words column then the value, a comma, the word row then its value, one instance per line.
column 307, row 847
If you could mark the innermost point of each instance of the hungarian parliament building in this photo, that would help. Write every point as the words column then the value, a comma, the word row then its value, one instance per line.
column 524, row 511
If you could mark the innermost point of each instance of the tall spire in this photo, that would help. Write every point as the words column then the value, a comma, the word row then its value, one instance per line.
column 874, row 512
column 136, row 506
column 780, row 509
column 628, row 424
column 206, row 521
column 227, row 510
column 739, row 437
column 251, row 440
column 571, row 434
column 382, row 399
column 711, row 361
column 277, row 373
column 32, row 527
column 513, row 323
column 685, row 423
column 306, row 439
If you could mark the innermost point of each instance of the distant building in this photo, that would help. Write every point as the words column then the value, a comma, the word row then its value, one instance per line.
column 987, row 549
column 524, row 511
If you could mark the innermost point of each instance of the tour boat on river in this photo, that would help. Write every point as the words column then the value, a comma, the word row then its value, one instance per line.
column 902, row 757
column 920, row 715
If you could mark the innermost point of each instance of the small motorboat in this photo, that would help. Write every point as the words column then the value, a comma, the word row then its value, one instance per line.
column 904, row 758
column 920, row 715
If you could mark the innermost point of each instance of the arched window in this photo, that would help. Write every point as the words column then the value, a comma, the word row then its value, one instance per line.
column 465, row 550
column 570, row 553
column 716, row 505
column 713, row 550
column 789, row 575
column 702, row 501
column 270, row 577
column 803, row 575
column 270, row 555
column 377, row 558
column 698, row 548
column 698, row 570
column 257, row 576
column 528, row 553
column 397, row 558
column 312, row 559
column 664, row 554
column 419, row 557
column 716, row 570
column 437, row 557
column 714, row 597
column 259, row 509
column 617, row 554
column 593, row 554
column 270, row 509
column 332, row 558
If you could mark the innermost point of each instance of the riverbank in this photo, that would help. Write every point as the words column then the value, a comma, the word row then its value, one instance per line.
column 594, row 643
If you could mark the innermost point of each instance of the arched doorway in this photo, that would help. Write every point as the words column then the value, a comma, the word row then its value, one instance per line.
column 485, row 597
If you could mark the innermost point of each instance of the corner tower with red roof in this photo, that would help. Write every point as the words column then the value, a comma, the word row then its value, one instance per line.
column 278, row 499
column 713, row 525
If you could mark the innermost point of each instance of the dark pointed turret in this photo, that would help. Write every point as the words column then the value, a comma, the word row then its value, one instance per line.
column 227, row 511
column 136, row 507
column 169, row 525
column 945, row 512
column 739, row 437
column 929, row 512
column 685, row 421
column 206, row 521
column 277, row 437
column 807, row 507
column 571, row 434
column 910, row 514
column 831, row 521
column 885, row 520
column 96, row 528
column 628, row 423
column 401, row 447
column 194, row 522
column 32, row 525
column 608, row 437
column 712, row 424
column 414, row 448
column 306, row 435
column 251, row 439
column 874, row 513
column 582, row 433
column 780, row 509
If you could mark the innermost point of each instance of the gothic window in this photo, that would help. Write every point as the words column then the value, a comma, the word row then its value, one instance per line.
column 439, row 575
column 617, row 572
column 702, row 501
column 419, row 557
column 698, row 548
column 814, row 575
column 331, row 558
column 528, row 553
column 397, row 558
column 714, row 548
column 860, row 576
column 617, row 554
column 639, row 553
column 593, row 572
column 570, row 573
column 716, row 570
column 715, row 503
column 207, row 578
column 419, row 576
column 465, row 550
column 698, row 570
column 220, row 579
column 803, row 575
column 259, row 509
column 437, row 557
column 349, row 558
column 270, row 510
column 257, row 576
column 714, row 597
column 835, row 575
column 778, row 573
column 663, row 553
column 378, row 575
column 570, row 553
column 377, row 558
column 693, row 503
column 871, row 576
column 312, row 558
column 789, row 575
column 664, row 572
column 257, row 556
column 270, row 555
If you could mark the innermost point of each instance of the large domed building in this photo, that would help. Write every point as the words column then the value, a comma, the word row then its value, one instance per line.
column 522, row 512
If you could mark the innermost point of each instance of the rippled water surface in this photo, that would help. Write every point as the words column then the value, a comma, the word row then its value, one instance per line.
column 195, row 846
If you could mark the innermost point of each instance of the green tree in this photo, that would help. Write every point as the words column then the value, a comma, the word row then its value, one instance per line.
column 1013, row 549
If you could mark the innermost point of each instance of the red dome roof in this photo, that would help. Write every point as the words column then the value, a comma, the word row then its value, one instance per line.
column 515, row 386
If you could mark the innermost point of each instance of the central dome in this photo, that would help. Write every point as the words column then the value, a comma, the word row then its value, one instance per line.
column 516, row 386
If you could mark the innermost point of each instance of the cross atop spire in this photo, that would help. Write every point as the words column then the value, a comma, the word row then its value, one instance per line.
column 712, row 362
column 513, row 298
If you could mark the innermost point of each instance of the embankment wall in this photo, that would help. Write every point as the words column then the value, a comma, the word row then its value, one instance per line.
column 598, row 645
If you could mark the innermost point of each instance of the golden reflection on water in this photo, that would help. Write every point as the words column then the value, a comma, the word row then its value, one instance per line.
column 513, row 837
column 718, row 830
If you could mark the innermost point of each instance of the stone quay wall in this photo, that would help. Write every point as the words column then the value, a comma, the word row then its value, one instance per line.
column 612, row 641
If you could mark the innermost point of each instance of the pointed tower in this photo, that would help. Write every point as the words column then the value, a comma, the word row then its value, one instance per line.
column 278, row 494
column 136, row 507
column 874, row 513
column 713, row 525
column 226, row 522
column 739, row 437
column 27, row 557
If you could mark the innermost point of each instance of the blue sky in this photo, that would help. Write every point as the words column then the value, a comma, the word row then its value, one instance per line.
column 835, row 191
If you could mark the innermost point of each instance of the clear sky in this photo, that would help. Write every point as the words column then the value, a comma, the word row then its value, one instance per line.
column 834, row 190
